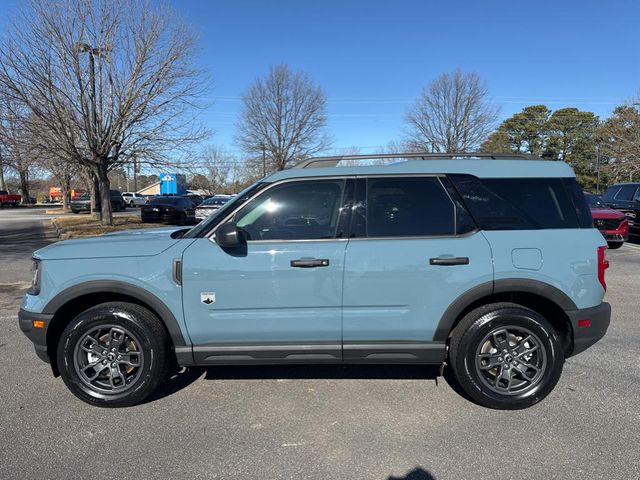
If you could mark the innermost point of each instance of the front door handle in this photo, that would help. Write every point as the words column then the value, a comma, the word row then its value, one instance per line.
column 310, row 262
column 444, row 261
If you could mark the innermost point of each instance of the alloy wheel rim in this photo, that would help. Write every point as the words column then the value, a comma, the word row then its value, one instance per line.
column 511, row 360
column 108, row 359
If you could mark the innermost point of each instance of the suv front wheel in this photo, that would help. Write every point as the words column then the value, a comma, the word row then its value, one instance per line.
column 506, row 356
column 113, row 355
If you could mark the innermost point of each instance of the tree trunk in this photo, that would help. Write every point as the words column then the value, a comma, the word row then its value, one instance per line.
column 66, row 194
column 93, row 192
column 2, row 185
column 105, row 196
column 24, row 186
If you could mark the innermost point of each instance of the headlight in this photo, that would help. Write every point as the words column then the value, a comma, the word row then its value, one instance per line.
column 36, row 269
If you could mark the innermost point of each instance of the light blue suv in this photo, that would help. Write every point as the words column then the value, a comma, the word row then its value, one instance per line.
column 489, row 265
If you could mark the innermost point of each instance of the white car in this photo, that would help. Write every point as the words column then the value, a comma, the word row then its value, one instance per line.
column 210, row 205
column 132, row 199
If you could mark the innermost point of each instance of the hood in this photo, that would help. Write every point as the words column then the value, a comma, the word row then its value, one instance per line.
column 128, row 243
column 606, row 213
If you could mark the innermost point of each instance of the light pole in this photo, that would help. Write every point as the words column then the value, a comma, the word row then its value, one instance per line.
column 598, row 169
column 93, row 51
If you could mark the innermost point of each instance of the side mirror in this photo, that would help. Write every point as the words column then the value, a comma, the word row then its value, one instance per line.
column 229, row 235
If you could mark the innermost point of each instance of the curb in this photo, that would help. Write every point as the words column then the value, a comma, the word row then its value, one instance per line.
column 50, row 227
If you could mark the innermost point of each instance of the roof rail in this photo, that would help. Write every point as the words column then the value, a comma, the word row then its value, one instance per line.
column 334, row 160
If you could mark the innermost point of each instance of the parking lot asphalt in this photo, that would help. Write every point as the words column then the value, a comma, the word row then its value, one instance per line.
column 320, row 422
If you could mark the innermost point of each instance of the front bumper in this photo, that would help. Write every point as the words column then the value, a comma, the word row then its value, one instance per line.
column 37, row 335
column 584, row 336
column 615, row 237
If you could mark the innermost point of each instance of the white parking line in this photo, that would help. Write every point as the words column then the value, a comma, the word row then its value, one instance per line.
column 631, row 246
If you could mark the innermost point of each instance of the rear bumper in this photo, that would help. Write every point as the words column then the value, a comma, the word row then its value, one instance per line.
column 584, row 336
column 37, row 335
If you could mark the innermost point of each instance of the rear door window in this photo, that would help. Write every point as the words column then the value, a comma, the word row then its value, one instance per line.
column 610, row 193
column 408, row 207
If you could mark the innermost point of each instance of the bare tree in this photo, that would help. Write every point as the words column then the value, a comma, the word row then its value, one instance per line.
column 452, row 114
column 14, row 143
column 110, row 79
column 283, row 119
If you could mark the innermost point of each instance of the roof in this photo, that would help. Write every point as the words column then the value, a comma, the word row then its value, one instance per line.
column 480, row 167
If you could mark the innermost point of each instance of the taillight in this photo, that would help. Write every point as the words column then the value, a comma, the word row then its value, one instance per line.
column 624, row 226
column 603, row 264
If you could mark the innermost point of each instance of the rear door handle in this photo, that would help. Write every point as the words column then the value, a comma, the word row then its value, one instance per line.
column 310, row 262
column 444, row 261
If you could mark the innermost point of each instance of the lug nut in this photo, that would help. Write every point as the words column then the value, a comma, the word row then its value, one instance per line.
column 113, row 364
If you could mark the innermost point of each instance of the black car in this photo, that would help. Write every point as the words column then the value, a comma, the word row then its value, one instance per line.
column 83, row 203
column 625, row 197
column 195, row 198
column 169, row 209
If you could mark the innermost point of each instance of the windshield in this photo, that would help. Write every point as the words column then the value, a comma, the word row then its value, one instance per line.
column 239, row 199
column 216, row 201
column 594, row 201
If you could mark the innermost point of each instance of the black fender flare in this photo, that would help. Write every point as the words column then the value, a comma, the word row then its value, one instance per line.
column 123, row 288
column 525, row 285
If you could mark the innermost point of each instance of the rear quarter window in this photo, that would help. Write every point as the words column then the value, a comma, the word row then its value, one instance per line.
column 521, row 203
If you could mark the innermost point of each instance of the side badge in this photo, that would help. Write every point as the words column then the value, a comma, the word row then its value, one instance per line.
column 208, row 297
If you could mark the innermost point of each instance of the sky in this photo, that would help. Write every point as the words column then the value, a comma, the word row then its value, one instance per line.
column 372, row 58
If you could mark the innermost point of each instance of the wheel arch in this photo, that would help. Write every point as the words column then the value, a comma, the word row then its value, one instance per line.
column 541, row 297
column 69, row 303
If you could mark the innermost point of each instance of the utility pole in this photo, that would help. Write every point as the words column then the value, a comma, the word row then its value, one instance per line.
column 135, row 172
column 93, row 51
column 264, row 160
column 597, row 169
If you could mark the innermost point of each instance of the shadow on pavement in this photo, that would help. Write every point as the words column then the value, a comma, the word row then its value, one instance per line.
column 184, row 377
column 415, row 474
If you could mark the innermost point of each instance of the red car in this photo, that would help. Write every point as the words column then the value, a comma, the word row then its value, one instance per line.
column 612, row 224
column 7, row 199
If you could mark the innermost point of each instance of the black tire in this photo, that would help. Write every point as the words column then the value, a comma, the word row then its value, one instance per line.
column 132, row 204
column 615, row 245
column 182, row 219
column 76, row 211
column 533, row 374
column 143, row 340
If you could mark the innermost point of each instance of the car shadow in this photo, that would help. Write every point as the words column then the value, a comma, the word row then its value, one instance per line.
column 183, row 377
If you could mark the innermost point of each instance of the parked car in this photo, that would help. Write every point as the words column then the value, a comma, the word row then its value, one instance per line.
column 82, row 203
column 210, row 205
column 196, row 199
column 169, row 209
column 132, row 199
column 492, row 266
column 10, row 200
column 625, row 198
column 612, row 224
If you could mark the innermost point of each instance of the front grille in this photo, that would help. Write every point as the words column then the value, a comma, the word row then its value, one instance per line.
column 607, row 223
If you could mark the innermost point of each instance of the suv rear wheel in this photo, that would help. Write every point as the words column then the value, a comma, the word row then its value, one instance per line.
column 506, row 356
column 113, row 355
